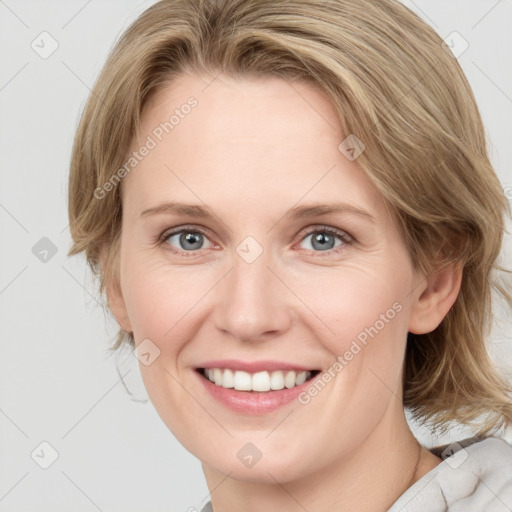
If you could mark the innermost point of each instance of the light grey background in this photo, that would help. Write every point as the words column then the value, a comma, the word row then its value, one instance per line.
column 57, row 381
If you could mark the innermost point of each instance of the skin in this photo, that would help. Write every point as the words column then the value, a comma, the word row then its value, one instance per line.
column 252, row 149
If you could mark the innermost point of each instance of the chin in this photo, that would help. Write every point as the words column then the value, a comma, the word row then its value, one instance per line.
column 267, row 470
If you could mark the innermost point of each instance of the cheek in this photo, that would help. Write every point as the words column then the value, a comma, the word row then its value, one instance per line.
column 367, row 308
column 364, row 319
column 353, row 306
column 347, row 306
column 162, row 300
column 162, row 304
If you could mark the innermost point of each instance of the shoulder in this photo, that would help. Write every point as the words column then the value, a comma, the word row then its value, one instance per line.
column 476, row 473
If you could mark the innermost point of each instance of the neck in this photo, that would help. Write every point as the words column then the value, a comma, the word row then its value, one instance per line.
column 369, row 478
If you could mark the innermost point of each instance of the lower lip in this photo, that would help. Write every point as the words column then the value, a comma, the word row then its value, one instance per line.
column 252, row 402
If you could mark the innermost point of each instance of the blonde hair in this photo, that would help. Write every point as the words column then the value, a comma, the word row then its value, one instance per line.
column 399, row 90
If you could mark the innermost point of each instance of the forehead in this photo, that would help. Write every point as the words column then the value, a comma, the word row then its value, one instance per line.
column 261, row 112
column 227, row 140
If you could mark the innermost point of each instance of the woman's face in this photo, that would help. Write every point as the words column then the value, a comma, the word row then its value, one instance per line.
column 252, row 282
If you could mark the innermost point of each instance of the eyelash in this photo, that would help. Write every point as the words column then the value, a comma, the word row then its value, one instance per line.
column 344, row 236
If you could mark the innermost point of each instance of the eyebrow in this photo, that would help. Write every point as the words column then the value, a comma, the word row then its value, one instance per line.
column 298, row 212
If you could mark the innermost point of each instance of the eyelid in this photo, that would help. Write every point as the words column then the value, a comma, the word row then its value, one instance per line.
column 341, row 233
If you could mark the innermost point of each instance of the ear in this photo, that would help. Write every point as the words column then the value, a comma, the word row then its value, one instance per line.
column 437, row 295
column 114, row 294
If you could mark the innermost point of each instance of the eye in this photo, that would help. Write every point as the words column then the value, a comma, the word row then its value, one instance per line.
column 324, row 239
column 187, row 240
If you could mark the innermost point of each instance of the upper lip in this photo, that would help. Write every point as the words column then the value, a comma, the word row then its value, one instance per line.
column 253, row 366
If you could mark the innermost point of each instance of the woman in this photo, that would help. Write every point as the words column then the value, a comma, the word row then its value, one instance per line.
column 292, row 212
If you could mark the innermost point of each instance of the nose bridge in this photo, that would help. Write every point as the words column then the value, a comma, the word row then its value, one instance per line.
column 253, row 300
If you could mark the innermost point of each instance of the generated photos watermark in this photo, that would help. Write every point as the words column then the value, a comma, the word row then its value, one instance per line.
column 151, row 142
column 362, row 339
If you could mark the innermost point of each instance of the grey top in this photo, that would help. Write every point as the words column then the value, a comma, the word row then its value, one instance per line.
column 475, row 476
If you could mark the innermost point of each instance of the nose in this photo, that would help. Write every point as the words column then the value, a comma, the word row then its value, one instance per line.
column 254, row 303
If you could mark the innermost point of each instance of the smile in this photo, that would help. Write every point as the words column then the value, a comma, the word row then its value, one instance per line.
column 261, row 382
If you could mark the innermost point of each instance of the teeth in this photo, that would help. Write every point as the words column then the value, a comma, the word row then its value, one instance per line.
column 300, row 379
column 277, row 380
column 260, row 381
column 242, row 381
column 217, row 376
column 228, row 379
column 289, row 379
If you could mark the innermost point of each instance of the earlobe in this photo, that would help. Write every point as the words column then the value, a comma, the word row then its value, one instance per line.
column 115, row 297
column 436, row 297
